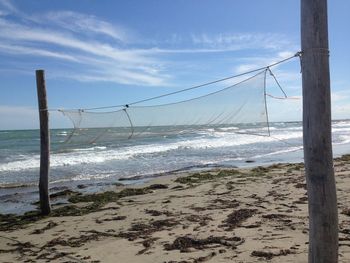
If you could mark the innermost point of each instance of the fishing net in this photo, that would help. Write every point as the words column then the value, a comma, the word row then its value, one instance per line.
column 241, row 105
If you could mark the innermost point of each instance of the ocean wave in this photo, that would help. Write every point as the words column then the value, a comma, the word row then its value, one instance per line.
column 228, row 129
column 341, row 124
column 344, row 139
column 90, row 149
column 101, row 154
column 291, row 149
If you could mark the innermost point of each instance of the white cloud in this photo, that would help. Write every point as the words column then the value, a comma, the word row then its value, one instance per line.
column 8, row 7
column 85, row 24
column 241, row 41
column 14, row 31
column 71, row 36
column 94, row 56
column 254, row 62
column 13, row 49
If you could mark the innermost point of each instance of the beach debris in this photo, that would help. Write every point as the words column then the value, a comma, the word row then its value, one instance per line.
column 274, row 216
column 114, row 218
column 64, row 193
column 185, row 243
column 201, row 219
column 269, row 255
column 206, row 176
column 346, row 211
column 92, row 235
column 205, row 258
column 344, row 158
column 260, row 170
column 300, row 185
column 10, row 222
column 237, row 217
column 19, row 247
column 50, row 225
column 301, row 200
column 157, row 186
column 144, row 231
column 177, row 187
column 147, row 245
column 157, row 213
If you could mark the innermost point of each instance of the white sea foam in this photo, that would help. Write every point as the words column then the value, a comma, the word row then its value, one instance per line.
column 341, row 124
column 87, row 156
column 63, row 133
column 95, row 148
column 344, row 139
column 291, row 149
column 229, row 129
column 211, row 140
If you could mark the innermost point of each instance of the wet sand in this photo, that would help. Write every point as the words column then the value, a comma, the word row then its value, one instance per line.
column 223, row 215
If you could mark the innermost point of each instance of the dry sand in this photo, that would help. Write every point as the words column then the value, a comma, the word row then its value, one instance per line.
column 244, row 215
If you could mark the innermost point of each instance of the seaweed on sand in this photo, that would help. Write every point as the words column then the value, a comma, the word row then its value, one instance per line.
column 96, row 202
column 206, row 176
column 91, row 235
column 269, row 255
column 237, row 217
column 184, row 243
column 144, row 231
column 10, row 221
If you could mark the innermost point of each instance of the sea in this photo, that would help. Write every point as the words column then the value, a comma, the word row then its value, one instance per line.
column 90, row 167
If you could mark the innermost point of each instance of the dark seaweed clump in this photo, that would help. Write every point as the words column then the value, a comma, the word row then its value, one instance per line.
column 96, row 202
column 237, row 217
column 186, row 242
column 203, row 177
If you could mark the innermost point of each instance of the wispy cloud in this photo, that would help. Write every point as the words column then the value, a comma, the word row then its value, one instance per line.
column 250, row 63
column 86, row 24
column 7, row 7
column 71, row 36
column 17, row 50
column 103, row 51
column 240, row 41
column 289, row 79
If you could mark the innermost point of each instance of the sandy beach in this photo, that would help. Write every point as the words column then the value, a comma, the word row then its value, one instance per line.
column 223, row 215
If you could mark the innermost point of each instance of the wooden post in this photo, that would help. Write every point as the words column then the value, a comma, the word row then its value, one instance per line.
column 323, row 213
column 44, row 144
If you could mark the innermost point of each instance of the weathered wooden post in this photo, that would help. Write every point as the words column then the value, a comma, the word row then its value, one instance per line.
column 323, row 213
column 44, row 144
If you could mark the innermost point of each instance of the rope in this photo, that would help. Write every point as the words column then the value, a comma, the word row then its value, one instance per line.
column 131, row 125
column 282, row 98
column 190, row 88
column 266, row 111
column 278, row 84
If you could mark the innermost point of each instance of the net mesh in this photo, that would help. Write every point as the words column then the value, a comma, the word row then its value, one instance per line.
column 242, row 104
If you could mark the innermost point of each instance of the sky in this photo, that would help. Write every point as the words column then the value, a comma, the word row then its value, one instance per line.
column 99, row 53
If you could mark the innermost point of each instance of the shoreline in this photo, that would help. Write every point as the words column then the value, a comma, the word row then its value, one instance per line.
column 19, row 199
column 243, row 215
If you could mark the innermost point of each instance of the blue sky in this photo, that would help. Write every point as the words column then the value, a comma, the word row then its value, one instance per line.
column 98, row 53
